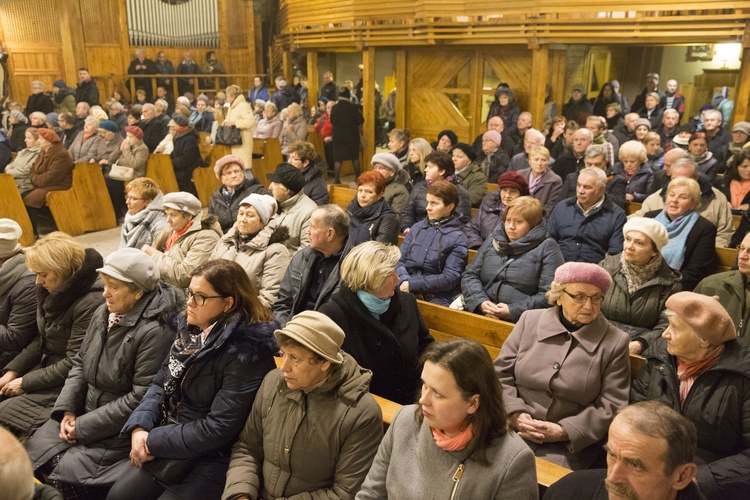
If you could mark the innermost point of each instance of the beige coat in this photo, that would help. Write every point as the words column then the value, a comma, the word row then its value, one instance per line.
column 189, row 251
column 264, row 258
column 243, row 117
column 295, row 215
column 576, row 379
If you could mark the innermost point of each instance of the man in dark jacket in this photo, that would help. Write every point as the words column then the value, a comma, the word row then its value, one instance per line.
column 596, row 157
column 589, row 226
column 718, row 138
column 284, row 95
column 577, row 105
column 142, row 65
column 657, row 438
column 87, row 91
column 572, row 160
column 66, row 123
column 652, row 85
column 673, row 99
column 669, row 128
column 329, row 90
column 507, row 144
column 187, row 66
column 164, row 67
column 302, row 156
column 186, row 155
column 153, row 128
column 313, row 273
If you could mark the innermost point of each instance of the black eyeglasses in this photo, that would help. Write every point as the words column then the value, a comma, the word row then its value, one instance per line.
column 199, row 298
column 581, row 298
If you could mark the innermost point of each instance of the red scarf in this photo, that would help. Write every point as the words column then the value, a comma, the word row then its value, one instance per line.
column 688, row 371
column 181, row 129
column 175, row 235
column 456, row 443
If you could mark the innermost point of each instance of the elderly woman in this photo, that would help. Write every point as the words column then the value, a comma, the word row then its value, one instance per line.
column 565, row 370
column 240, row 115
column 186, row 155
column 256, row 242
column 490, row 213
column 434, row 252
column 68, row 293
column 20, row 167
column 514, row 268
column 384, row 329
column 371, row 217
column 38, row 100
column 133, row 153
column 182, row 431
column 699, row 153
column 270, row 125
column 544, row 184
column 700, row 369
column 634, row 166
column 295, row 207
column 123, row 348
column 496, row 160
column 419, row 149
column 396, row 180
column 736, row 186
column 145, row 217
column 86, row 144
column 460, row 428
column 691, row 248
column 468, row 173
column 188, row 240
column 439, row 168
column 294, row 129
column 642, row 281
column 302, row 156
column 281, row 452
column 201, row 119
column 651, row 110
column 109, row 145
column 398, row 145
column 235, row 186
column 654, row 151
column 17, row 130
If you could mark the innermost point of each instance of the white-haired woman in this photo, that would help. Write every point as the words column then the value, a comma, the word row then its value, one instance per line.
column 385, row 331
column 270, row 125
column 86, row 144
column 294, row 129
column 634, row 166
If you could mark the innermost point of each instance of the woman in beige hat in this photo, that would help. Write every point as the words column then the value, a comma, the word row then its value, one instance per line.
column 700, row 369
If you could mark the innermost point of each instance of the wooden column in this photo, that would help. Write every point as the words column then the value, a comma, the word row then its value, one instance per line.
column 742, row 94
column 286, row 66
column 401, row 90
column 539, row 69
column 556, row 77
column 368, row 104
column 475, row 98
column 313, row 84
column 72, row 42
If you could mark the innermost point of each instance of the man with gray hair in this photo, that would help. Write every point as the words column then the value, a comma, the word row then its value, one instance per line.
column 313, row 273
column 162, row 107
column 714, row 205
column 284, row 95
column 572, row 160
column 154, row 130
column 650, row 449
column 596, row 157
column 531, row 139
column 669, row 128
column 717, row 136
column 118, row 115
column 142, row 65
column 625, row 131
column 588, row 226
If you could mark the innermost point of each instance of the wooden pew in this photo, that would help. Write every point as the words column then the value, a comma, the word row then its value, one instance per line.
column 341, row 196
column 270, row 150
column 632, row 207
column 736, row 220
column 159, row 169
column 727, row 257
column 206, row 184
column 64, row 208
column 491, row 187
column 316, row 140
column 12, row 207
column 93, row 198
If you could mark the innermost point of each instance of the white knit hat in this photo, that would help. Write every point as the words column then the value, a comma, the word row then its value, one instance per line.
column 650, row 227
column 263, row 204
column 10, row 233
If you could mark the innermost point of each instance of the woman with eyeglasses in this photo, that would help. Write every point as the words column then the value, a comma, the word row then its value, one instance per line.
column 565, row 370
column 236, row 185
column 183, row 429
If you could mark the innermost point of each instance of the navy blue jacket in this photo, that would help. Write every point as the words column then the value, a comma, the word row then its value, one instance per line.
column 216, row 393
column 433, row 259
column 416, row 208
column 587, row 239
column 640, row 184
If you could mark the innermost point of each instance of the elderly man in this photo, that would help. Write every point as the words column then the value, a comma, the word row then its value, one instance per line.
column 572, row 160
column 531, row 139
column 588, row 226
column 142, row 65
column 329, row 90
column 154, row 130
column 669, row 128
column 596, row 157
column 187, row 66
column 598, row 127
column 162, row 93
column 284, row 95
column 577, row 105
column 164, row 67
column 731, row 289
column 162, row 111
column 38, row 100
column 652, row 85
column 625, row 131
column 86, row 90
column 118, row 115
column 83, row 110
column 673, row 99
column 714, row 204
column 507, row 144
column 718, row 138
column 523, row 124
column 650, row 451
column 313, row 273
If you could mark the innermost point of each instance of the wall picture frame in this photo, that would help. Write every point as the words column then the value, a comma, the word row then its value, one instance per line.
column 700, row 53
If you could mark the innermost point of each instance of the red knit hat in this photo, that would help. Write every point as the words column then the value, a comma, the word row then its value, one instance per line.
column 514, row 180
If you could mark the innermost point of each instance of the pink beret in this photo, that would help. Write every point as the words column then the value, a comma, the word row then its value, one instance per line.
column 227, row 160
column 494, row 135
column 705, row 315
column 136, row 131
column 582, row 272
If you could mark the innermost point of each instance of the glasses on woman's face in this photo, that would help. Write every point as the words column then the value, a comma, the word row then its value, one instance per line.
column 132, row 198
column 199, row 298
column 581, row 298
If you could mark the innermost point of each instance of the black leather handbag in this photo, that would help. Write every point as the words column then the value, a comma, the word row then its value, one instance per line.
column 228, row 136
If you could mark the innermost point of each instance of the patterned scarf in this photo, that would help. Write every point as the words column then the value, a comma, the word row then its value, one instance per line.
column 678, row 231
column 136, row 230
column 190, row 341
column 688, row 371
column 638, row 275
column 113, row 319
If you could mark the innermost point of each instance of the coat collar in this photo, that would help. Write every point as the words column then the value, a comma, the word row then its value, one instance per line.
column 588, row 336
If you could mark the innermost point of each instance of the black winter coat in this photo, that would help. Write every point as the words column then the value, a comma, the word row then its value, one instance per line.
column 39, row 102
column 390, row 346
column 719, row 406
column 153, row 133
column 6, row 155
column 216, row 392
column 485, row 221
column 18, row 136
column 226, row 211
column 573, row 109
column 17, row 308
column 186, row 157
column 88, row 92
column 377, row 222
column 316, row 187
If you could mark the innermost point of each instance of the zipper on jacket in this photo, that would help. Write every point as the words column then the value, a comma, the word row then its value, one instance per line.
column 456, row 479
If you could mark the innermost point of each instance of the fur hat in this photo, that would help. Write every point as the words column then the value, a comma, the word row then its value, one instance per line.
column 467, row 150
column 451, row 135
column 180, row 119
column 264, row 204
column 288, row 176
column 18, row 116
column 182, row 201
column 387, row 160
column 583, row 272
column 227, row 160
column 317, row 332
column 10, row 233
column 650, row 227
column 514, row 180
column 705, row 315
column 132, row 266
column 496, row 137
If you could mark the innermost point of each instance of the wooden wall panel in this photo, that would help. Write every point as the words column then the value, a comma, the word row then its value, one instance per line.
column 513, row 66
column 29, row 62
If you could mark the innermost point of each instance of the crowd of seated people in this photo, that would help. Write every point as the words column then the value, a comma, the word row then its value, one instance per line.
column 206, row 298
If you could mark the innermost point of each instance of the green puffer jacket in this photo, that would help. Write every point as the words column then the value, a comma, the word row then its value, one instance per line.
column 639, row 314
column 474, row 181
